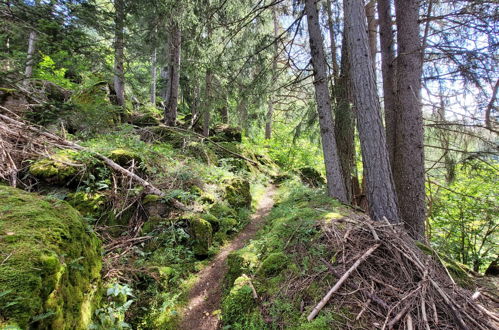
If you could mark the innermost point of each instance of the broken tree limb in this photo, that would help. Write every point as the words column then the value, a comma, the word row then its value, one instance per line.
column 109, row 162
column 338, row 284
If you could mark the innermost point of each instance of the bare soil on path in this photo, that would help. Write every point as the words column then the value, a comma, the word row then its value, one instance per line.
column 206, row 295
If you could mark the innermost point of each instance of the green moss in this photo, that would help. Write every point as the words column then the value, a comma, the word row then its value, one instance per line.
column 203, row 235
column 125, row 157
column 240, row 262
column 53, row 262
column 151, row 199
column 202, row 152
column 273, row 264
column 311, row 177
column 89, row 204
column 59, row 168
column 238, row 307
column 237, row 193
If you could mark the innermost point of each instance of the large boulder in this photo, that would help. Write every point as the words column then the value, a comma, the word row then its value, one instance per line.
column 60, row 168
column 237, row 193
column 203, row 236
column 50, row 263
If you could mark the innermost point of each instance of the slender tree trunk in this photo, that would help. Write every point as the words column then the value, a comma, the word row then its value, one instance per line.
column 345, row 122
column 380, row 190
column 119, row 75
column 409, row 154
column 334, row 60
column 372, row 27
column 153, row 76
column 270, row 111
column 207, row 103
column 335, row 183
column 173, row 76
column 28, row 71
column 388, row 70
column 242, row 110
column 224, row 113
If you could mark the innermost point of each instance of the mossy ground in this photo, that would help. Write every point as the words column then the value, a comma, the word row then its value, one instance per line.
column 51, row 263
column 279, row 263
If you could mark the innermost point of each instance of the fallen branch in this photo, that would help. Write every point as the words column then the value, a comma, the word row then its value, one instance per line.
column 338, row 284
column 148, row 186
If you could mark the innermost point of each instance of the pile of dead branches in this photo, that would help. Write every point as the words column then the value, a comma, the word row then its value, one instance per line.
column 17, row 144
column 386, row 278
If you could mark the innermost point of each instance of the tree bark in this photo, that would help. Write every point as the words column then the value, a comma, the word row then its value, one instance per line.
column 28, row 71
column 173, row 76
column 380, row 190
column 270, row 110
column 409, row 153
column 372, row 27
column 334, row 61
column 119, row 75
column 335, row 183
column 345, row 122
column 153, row 76
column 388, row 70
column 207, row 103
column 224, row 114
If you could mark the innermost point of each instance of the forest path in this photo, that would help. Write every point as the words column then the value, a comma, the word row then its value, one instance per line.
column 206, row 295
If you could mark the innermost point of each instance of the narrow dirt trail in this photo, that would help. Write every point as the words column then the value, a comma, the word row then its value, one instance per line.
column 206, row 294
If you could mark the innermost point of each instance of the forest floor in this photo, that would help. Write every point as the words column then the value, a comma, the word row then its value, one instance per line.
column 205, row 296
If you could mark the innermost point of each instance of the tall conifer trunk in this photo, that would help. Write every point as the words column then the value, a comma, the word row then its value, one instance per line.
column 28, row 71
column 270, row 109
column 335, row 183
column 409, row 154
column 380, row 190
column 388, row 69
column 173, row 76
column 154, row 76
column 119, row 48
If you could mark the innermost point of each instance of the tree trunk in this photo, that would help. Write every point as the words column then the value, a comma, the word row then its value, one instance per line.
column 344, row 122
column 242, row 110
column 270, row 111
column 380, row 190
column 153, row 76
column 409, row 155
column 173, row 76
column 224, row 113
column 207, row 103
column 119, row 75
column 335, row 183
column 388, row 74
column 372, row 27
column 28, row 72
column 334, row 61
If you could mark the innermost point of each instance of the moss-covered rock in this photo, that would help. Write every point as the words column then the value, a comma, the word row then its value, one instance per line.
column 203, row 235
column 202, row 152
column 226, row 133
column 237, row 193
column 125, row 157
column 92, row 111
column 239, row 262
column 89, row 204
column 51, row 263
column 60, row 168
column 273, row 264
column 239, row 307
column 311, row 177
column 155, row 206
